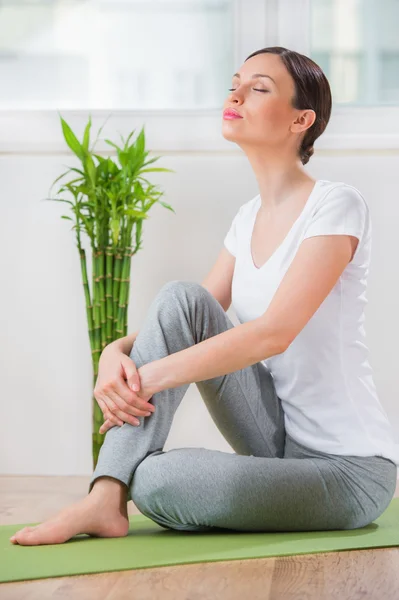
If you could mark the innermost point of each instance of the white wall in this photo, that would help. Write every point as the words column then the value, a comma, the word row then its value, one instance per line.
column 46, row 370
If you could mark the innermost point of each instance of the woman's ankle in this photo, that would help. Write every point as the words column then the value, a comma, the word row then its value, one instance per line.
column 109, row 486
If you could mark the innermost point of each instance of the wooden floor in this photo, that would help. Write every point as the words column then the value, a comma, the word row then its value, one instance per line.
column 365, row 574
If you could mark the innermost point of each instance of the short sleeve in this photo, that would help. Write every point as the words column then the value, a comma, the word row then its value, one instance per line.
column 342, row 211
column 230, row 240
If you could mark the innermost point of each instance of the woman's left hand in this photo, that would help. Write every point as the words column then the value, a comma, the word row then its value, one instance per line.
column 145, row 392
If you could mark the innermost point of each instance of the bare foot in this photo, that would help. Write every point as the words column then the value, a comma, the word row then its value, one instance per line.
column 95, row 515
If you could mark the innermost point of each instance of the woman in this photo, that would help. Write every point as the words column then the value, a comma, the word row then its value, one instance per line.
column 290, row 388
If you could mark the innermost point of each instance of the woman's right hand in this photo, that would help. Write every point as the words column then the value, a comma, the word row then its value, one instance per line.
column 117, row 373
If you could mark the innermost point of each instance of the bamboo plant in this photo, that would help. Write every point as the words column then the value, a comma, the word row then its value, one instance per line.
column 110, row 203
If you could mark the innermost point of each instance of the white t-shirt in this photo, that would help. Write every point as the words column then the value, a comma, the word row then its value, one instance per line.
column 324, row 378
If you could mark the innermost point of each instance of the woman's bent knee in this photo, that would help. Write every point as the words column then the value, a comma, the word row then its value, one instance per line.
column 146, row 483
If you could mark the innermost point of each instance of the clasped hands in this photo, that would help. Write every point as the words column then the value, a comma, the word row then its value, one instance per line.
column 116, row 395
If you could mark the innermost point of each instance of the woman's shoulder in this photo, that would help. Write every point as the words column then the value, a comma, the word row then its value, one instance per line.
column 340, row 191
column 340, row 187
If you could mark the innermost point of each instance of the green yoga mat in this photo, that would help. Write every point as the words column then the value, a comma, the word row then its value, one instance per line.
column 150, row 545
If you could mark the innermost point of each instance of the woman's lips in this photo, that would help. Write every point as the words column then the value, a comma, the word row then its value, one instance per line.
column 230, row 114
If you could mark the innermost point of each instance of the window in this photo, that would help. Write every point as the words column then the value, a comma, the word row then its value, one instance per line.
column 113, row 54
column 167, row 64
column 356, row 44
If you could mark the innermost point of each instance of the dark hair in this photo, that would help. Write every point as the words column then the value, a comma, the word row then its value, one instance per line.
column 312, row 90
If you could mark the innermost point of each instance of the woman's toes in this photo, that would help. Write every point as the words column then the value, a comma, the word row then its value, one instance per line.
column 13, row 538
column 25, row 536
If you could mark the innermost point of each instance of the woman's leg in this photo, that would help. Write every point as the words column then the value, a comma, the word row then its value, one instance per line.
column 197, row 489
column 181, row 315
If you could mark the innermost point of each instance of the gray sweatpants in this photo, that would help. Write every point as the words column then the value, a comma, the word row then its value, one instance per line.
column 270, row 483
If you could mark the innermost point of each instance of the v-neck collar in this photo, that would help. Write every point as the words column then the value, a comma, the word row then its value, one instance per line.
column 301, row 215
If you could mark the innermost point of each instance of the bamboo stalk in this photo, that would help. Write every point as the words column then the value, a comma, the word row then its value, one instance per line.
column 96, row 306
column 89, row 307
column 127, row 296
column 102, row 299
column 116, row 288
column 125, row 279
column 97, row 415
column 108, row 292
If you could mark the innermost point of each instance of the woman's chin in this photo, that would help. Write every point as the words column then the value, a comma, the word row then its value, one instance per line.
column 229, row 135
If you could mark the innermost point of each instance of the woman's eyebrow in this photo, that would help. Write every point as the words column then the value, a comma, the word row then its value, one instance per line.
column 257, row 75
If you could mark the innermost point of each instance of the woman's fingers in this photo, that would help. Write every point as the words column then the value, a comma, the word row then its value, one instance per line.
column 129, row 398
column 111, row 411
column 111, row 396
column 107, row 414
column 105, row 426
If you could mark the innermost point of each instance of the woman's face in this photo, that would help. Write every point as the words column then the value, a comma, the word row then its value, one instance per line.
column 264, row 104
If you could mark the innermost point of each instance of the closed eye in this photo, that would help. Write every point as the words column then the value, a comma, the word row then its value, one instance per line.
column 257, row 90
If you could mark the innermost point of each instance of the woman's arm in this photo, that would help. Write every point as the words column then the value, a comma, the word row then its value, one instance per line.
column 234, row 349
column 124, row 344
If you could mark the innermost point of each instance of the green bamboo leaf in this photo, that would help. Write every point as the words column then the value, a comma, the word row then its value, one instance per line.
column 75, row 180
column 112, row 144
column 167, row 206
column 143, row 179
column 64, row 217
column 58, row 200
column 157, row 169
column 71, row 188
column 78, row 171
column 129, row 136
column 90, row 204
column 123, row 158
column 60, row 177
column 151, row 161
column 90, row 168
column 86, row 136
column 84, row 189
column 140, row 143
column 72, row 140
column 136, row 213
column 113, row 167
column 100, row 130
column 61, row 189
